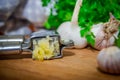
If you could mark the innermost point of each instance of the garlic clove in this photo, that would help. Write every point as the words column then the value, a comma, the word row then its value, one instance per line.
column 108, row 60
column 117, row 60
column 103, row 61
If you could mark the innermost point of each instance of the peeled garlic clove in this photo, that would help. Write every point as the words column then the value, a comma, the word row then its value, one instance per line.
column 109, row 60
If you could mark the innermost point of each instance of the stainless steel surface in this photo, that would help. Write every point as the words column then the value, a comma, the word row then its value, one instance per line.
column 43, row 33
column 12, row 38
column 64, row 44
column 26, row 46
column 67, row 43
column 10, row 48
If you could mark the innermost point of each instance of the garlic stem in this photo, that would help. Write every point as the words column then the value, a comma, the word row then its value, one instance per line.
column 74, row 19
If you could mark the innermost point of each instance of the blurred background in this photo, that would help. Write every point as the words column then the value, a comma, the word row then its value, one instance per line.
column 23, row 17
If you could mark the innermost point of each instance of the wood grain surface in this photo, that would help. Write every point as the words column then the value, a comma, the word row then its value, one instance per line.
column 76, row 64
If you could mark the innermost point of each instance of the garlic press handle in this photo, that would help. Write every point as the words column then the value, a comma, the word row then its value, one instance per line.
column 10, row 47
column 12, row 38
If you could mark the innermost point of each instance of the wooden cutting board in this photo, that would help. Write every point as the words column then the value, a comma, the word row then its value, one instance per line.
column 77, row 64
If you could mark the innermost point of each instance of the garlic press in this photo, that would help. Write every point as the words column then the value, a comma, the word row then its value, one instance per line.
column 16, row 44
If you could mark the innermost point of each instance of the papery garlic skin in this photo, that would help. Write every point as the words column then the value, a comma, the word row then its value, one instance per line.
column 69, row 31
column 105, row 33
column 109, row 60
column 100, row 40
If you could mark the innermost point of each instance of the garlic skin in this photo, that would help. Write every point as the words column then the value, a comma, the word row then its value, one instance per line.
column 71, row 31
column 109, row 60
column 105, row 33
column 100, row 40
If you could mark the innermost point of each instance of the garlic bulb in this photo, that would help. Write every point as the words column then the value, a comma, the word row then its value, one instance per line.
column 109, row 60
column 70, row 30
column 105, row 33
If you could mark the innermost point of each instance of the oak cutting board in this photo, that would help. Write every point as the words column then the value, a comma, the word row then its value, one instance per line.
column 76, row 64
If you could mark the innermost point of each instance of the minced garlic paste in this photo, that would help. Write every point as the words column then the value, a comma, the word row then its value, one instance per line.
column 45, row 48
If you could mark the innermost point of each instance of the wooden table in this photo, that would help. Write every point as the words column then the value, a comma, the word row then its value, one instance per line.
column 77, row 64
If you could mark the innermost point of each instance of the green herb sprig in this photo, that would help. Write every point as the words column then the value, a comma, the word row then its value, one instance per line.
column 92, row 12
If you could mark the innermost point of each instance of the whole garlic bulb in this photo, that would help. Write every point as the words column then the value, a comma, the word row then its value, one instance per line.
column 105, row 33
column 109, row 60
column 70, row 30
column 100, row 37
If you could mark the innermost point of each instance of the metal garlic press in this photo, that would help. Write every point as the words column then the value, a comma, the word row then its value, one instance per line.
column 16, row 44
